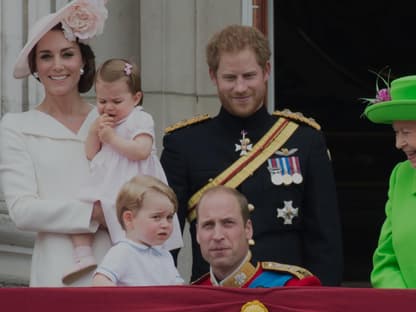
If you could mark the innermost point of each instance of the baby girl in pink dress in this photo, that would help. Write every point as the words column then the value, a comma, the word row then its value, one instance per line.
column 120, row 145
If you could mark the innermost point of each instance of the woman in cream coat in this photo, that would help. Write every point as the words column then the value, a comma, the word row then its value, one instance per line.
column 394, row 258
column 42, row 151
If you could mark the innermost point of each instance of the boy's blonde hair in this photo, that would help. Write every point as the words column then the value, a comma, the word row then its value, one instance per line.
column 132, row 193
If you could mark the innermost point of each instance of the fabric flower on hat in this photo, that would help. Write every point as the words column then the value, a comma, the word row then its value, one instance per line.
column 383, row 94
column 85, row 19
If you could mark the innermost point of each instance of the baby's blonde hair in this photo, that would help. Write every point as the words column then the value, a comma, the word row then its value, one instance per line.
column 115, row 69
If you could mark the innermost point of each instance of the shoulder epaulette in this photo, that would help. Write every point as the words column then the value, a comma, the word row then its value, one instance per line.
column 295, row 270
column 297, row 116
column 187, row 122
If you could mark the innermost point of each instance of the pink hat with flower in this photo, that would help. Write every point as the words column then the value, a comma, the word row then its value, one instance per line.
column 396, row 102
column 81, row 19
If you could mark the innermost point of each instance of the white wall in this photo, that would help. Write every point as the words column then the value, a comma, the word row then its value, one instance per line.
column 165, row 37
column 175, row 76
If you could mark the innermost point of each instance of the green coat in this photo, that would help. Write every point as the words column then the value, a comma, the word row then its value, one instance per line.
column 394, row 260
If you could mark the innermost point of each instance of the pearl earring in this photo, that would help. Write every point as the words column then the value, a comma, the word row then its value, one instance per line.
column 36, row 75
column 81, row 70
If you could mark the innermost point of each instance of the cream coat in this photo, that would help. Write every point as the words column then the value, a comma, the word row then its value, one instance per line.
column 42, row 165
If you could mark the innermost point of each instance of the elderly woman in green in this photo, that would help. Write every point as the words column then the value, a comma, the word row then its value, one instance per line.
column 394, row 260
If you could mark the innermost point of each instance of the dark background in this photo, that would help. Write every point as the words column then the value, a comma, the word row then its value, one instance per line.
column 324, row 51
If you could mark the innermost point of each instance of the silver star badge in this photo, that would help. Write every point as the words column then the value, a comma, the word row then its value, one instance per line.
column 288, row 212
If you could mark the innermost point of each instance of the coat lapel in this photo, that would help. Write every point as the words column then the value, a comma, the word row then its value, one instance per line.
column 38, row 123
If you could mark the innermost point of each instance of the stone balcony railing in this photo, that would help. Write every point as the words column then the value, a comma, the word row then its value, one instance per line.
column 15, row 252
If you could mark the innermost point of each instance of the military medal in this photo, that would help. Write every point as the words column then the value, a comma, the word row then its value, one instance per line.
column 297, row 176
column 275, row 171
column 245, row 146
column 286, row 178
column 288, row 212
column 277, row 179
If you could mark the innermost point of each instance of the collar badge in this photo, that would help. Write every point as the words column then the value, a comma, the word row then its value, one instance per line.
column 240, row 278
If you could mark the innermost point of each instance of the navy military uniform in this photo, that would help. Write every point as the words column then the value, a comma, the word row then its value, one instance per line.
column 295, row 223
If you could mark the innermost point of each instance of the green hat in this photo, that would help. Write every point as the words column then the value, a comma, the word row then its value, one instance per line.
column 401, row 103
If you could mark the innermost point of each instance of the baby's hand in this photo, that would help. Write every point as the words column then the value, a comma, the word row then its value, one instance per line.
column 101, row 122
column 106, row 134
column 105, row 121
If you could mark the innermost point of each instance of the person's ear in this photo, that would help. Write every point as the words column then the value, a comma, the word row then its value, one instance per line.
column 249, row 230
column 197, row 232
column 127, row 218
column 137, row 97
column 266, row 71
column 213, row 76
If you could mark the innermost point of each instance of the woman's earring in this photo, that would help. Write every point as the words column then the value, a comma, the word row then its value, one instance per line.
column 36, row 75
column 81, row 71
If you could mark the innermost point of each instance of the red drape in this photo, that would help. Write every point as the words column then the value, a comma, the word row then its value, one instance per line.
column 203, row 298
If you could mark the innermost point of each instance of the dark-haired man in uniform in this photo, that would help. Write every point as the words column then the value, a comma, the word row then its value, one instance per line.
column 223, row 233
column 278, row 161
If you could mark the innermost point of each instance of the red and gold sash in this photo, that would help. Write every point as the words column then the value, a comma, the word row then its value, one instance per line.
column 246, row 165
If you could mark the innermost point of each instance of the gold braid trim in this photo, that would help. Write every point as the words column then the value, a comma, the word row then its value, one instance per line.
column 243, row 167
column 295, row 270
column 187, row 122
column 297, row 116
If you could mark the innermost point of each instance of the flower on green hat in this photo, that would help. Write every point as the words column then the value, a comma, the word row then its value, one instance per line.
column 383, row 94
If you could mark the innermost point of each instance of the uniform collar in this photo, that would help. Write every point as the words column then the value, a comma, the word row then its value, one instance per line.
column 239, row 277
column 253, row 122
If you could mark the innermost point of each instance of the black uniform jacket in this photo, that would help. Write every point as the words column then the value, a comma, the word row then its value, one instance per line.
column 310, row 237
